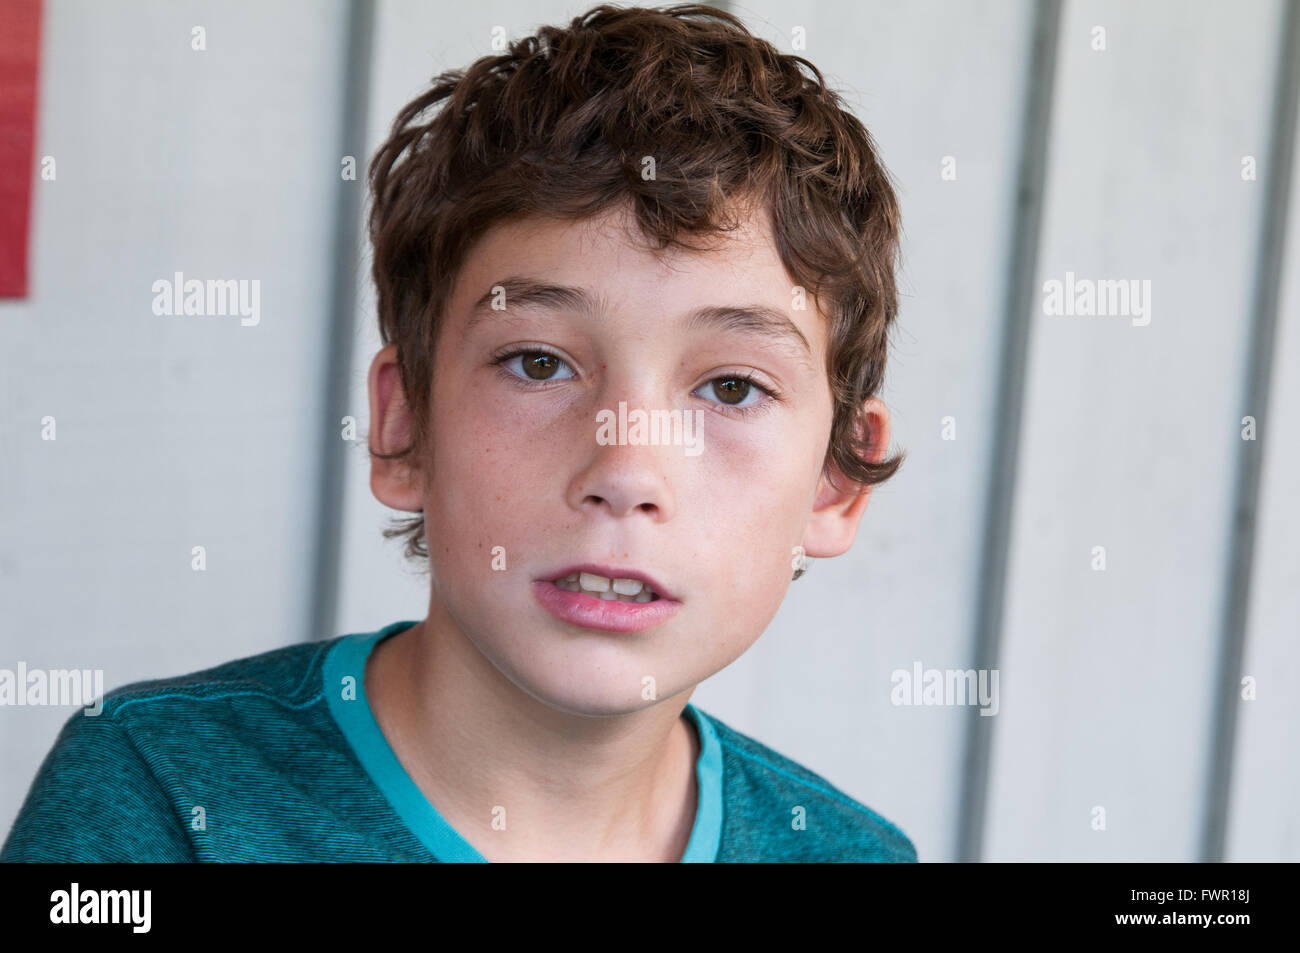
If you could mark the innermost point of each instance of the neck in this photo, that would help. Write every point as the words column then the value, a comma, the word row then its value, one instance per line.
column 519, row 779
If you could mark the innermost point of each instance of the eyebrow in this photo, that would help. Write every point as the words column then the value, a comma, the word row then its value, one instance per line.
column 758, row 321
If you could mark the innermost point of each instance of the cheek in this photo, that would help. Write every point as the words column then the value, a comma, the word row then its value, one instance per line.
column 763, row 478
column 492, row 468
column 754, row 490
column 468, row 488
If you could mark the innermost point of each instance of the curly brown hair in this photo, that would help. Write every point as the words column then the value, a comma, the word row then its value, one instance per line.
column 557, row 125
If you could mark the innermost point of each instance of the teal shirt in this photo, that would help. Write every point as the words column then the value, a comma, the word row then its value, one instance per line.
column 264, row 759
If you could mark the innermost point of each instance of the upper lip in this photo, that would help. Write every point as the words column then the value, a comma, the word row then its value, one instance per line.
column 609, row 572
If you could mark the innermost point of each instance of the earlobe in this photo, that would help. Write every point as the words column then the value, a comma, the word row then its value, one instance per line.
column 840, row 503
column 394, row 482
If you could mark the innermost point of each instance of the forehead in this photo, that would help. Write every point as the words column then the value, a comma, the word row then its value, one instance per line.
column 607, row 256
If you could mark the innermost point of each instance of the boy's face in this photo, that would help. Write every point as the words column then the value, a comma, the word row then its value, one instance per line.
column 521, row 474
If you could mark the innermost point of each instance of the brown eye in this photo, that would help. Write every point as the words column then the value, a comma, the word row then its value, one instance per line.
column 731, row 390
column 536, row 366
column 540, row 366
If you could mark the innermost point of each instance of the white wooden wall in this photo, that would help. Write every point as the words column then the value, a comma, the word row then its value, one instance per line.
column 171, row 432
column 1131, row 435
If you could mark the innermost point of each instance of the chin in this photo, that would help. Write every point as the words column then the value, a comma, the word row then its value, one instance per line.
column 594, row 706
column 576, row 670
column 587, row 683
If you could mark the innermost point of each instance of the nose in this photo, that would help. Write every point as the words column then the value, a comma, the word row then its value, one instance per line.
column 625, row 480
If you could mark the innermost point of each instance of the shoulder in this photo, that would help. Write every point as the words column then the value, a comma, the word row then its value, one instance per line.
column 188, row 725
column 281, row 675
column 110, row 787
column 776, row 809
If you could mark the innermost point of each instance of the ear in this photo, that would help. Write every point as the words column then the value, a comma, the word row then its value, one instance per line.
column 837, row 512
column 395, row 483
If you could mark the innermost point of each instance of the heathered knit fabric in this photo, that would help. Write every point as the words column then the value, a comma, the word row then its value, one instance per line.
column 246, row 762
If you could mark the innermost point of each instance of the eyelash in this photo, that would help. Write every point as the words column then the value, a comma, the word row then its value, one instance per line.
column 773, row 396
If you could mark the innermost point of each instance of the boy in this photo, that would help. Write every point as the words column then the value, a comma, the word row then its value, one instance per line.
column 634, row 282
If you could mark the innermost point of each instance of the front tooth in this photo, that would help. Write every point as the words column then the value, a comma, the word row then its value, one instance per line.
column 593, row 583
column 627, row 587
column 608, row 596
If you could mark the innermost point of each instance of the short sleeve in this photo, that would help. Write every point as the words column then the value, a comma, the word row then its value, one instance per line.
column 95, row 799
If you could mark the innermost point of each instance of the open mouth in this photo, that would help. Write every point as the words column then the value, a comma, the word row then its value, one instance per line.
column 603, row 587
column 592, row 600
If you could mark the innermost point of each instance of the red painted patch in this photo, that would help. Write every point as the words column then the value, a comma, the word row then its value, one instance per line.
column 20, row 29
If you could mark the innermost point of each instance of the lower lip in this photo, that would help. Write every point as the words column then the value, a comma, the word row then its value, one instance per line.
column 592, row 612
